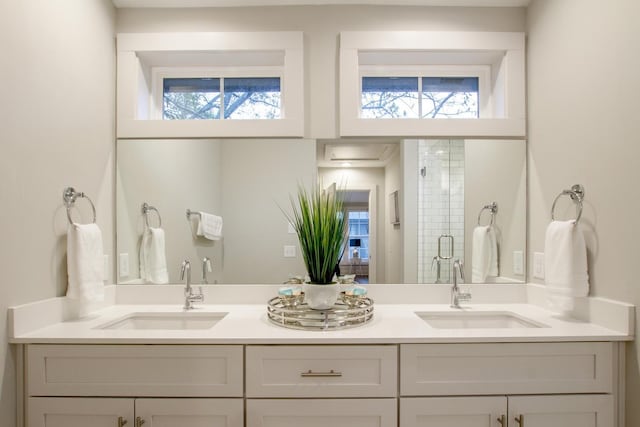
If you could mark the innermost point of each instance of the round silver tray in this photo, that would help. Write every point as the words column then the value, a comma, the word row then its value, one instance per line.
column 340, row 316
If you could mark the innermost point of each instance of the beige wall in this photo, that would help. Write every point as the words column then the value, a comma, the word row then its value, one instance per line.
column 56, row 129
column 393, row 268
column 321, row 26
column 495, row 170
column 583, row 86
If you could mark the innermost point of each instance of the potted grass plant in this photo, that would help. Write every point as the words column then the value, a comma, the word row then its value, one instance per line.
column 319, row 221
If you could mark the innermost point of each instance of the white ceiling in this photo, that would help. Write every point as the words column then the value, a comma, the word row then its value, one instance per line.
column 246, row 3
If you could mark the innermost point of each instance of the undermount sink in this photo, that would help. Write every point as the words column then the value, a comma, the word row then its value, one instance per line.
column 165, row 321
column 477, row 320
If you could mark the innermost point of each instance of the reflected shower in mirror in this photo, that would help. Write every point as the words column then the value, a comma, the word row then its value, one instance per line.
column 403, row 198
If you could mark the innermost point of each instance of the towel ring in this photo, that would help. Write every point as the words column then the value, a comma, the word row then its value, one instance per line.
column 492, row 208
column 577, row 195
column 69, row 196
column 146, row 208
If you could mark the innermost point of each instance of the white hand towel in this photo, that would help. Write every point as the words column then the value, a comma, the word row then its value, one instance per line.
column 565, row 265
column 209, row 226
column 85, row 262
column 484, row 254
column 153, row 259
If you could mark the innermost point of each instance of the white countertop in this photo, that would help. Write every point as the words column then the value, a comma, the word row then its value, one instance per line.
column 248, row 324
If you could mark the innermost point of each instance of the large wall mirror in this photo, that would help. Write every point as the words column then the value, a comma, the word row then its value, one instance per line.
column 414, row 206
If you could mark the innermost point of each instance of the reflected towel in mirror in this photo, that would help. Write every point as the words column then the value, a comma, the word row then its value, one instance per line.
column 484, row 254
column 153, row 260
column 209, row 226
column 85, row 262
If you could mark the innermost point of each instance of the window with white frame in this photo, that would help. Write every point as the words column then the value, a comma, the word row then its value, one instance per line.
column 210, row 84
column 415, row 83
column 436, row 97
column 204, row 98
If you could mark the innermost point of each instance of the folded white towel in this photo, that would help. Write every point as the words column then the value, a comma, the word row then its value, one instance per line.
column 565, row 265
column 484, row 254
column 209, row 226
column 153, row 259
column 85, row 262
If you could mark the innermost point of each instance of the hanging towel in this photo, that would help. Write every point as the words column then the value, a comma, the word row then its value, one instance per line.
column 209, row 226
column 565, row 265
column 153, row 259
column 85, row 262
column 484, row 254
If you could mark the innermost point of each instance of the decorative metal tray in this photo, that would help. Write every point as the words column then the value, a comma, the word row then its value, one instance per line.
column 346, row 313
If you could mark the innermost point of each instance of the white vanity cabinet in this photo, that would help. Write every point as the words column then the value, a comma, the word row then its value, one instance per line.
column 120, row 412
column 561, row 384
column 508, row 385
column 320, row 385
column 117, row 385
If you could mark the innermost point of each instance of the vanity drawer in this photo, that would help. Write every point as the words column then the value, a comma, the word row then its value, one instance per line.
column 134, row 370
column 322, row 371
column 506, row 368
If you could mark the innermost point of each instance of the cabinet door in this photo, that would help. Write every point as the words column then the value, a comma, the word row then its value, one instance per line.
column 453, row 411
column 190, row 412
column 78, row 412
column 561, row 411
column 322, row 413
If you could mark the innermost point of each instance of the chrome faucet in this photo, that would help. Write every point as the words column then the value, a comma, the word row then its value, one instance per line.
column 206, row 266
column 456, row 294
column 189, row 296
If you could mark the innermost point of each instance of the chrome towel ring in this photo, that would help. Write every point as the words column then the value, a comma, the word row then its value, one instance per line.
column 577, row 195
column 69, row 196
column 146, row 208
column 492, row 208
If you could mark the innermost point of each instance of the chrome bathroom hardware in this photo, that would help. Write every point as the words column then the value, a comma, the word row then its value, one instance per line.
column 189, row 296
column 190, row 212
column 146, row 208
column 493, row 210
column 456, row 293
column 69, row 196
column 440, row 239
column 330, row 373
column 577, row 195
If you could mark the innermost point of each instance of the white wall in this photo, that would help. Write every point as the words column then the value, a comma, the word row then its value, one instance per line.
column 583, row 86
column 321, row 26
column 57, row 129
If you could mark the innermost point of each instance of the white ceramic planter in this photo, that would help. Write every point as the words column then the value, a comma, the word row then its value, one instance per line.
column 320, row 297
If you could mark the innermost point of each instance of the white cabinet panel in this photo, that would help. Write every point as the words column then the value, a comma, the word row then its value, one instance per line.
column 322, row 371
column 134, row 370
column 452, row 411
column 505, row 368
column 562, row 411
column 322, row 413
column 78, row 412
column 191, row 412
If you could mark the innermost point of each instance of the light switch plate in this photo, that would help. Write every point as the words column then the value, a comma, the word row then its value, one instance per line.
column 123, row 265
column 518, row 262
column 538, row 265
column 289, row 251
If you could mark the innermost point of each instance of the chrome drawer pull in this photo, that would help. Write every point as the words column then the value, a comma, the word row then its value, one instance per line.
column 503, row 420
column 121, row 422
column 520, row 420
column 331, row 373
column 139, row 422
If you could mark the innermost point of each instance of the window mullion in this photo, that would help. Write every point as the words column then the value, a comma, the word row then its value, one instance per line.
column 419, row 96
column 221, row 98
